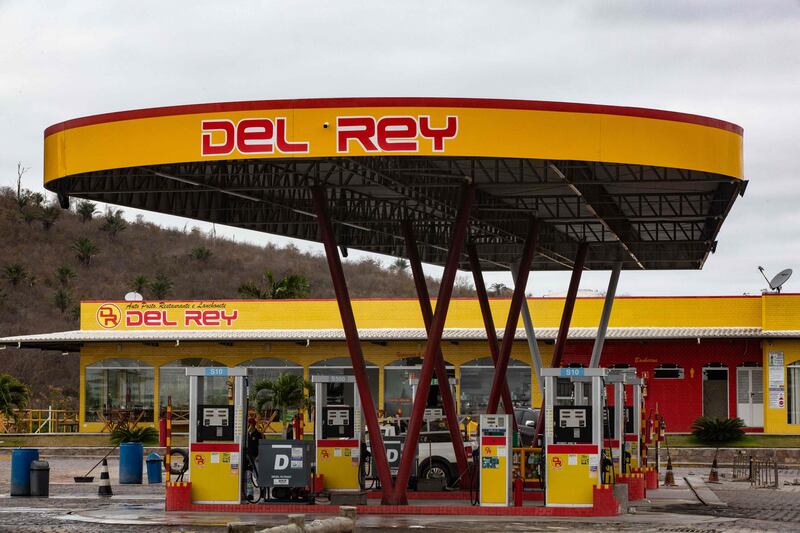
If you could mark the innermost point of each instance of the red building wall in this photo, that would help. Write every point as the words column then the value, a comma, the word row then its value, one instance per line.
column 679, row 400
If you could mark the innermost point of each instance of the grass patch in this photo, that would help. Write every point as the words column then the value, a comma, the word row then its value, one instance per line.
column 752, row 440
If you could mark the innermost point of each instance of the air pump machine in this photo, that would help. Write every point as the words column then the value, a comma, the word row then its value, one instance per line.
column 217, row 407
column 573, row 436
column 338, row 435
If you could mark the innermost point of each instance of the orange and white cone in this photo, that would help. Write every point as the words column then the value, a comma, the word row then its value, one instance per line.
column 104, row 489
column 669, row 477
column 713, row 476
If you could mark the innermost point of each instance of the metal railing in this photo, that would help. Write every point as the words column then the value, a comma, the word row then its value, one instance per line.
column 742, row 467
column 761, row 472
column 765, row 473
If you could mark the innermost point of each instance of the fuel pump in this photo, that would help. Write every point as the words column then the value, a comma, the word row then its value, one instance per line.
column 217, row 407
column 614, row 419
column 573, row 436
column 338, row 435
column 633, row 426
column 496, row 439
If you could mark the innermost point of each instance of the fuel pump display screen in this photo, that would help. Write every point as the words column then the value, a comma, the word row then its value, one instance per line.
column 337, row 422
column 572, row 424
column 214, row 423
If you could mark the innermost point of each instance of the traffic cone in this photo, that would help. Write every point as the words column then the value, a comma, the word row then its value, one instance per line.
column 104, row 489
column 713, row 476
column 669, row 477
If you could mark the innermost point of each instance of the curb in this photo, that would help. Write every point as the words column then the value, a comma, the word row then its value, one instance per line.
column 703, row 493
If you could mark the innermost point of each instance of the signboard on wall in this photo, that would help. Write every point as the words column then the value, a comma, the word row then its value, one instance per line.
column 777, row 399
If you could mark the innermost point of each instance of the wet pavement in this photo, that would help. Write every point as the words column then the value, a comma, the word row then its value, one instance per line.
column 138, row 508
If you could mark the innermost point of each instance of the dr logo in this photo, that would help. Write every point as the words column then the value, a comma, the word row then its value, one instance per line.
column 199, row 460
column 109, row 316
column 325, row 454
column 557, row 464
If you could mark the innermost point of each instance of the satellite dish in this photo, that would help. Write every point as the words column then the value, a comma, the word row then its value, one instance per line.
column 779, row 279
column 136, row 297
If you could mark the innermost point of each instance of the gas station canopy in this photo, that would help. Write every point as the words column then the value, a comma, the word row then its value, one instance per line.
column 649, row 188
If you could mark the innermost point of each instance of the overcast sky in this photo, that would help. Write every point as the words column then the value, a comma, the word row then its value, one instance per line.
column 737, row 61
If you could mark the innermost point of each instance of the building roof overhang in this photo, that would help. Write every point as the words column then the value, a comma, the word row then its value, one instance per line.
column 69, row 341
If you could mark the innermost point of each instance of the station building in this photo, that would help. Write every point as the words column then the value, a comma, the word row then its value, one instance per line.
column 716, row 356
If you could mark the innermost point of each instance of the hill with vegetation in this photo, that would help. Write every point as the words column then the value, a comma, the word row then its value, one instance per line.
column 52, row 259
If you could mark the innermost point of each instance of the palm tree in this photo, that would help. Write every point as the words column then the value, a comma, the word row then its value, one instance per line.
column 138, row 283
column 113, row 223
column 49, row 215
column 161, row 286
column 274, row 397
column 86, row 210
column 62, row 299
column 65, row 275
column 15, row 274
column 13, row 396
column 84, row 250
column 499, row 289
column 400, row 265
column 287, row 288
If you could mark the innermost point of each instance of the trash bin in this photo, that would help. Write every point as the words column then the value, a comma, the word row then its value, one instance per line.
column 40, row 479
column 153, row 468
column 131, row 459
column 21, row 459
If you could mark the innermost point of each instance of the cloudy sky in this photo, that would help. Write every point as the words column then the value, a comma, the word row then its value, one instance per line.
column 738, row 61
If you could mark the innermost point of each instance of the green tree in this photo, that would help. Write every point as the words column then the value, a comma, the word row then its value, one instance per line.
column 399, row 265
column 15, row 274
column 200, row 253
column 113, row 223
column 62, row 299
column 276, row 397
column 86, row 210
column 14, row 396
column 290, row 287
column 48, row 216
column 138, row 283
column 161, row 286
column 85, row 249
column 65, row 275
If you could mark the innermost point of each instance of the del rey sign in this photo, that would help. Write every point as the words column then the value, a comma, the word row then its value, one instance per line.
column 354, row 134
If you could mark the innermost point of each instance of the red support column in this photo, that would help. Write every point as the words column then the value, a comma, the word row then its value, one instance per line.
column 488, row 321
column 441, row 372
column 460, row 228
column 528, row 251
column 353, row 342
column 566, row 319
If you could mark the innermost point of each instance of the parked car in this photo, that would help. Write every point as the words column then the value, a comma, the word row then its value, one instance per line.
column 436, row 457
column 526, row 421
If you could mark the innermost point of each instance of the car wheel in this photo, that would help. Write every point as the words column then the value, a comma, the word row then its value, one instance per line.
column 436, row 470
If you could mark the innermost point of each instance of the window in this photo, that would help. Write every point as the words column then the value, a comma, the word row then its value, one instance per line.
column 668, row 371
column 116, row 385
column 476, row 384
column 172, row 381
column 400, row 380
column 793, row 392
column 342, row 366
column 266, row 368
